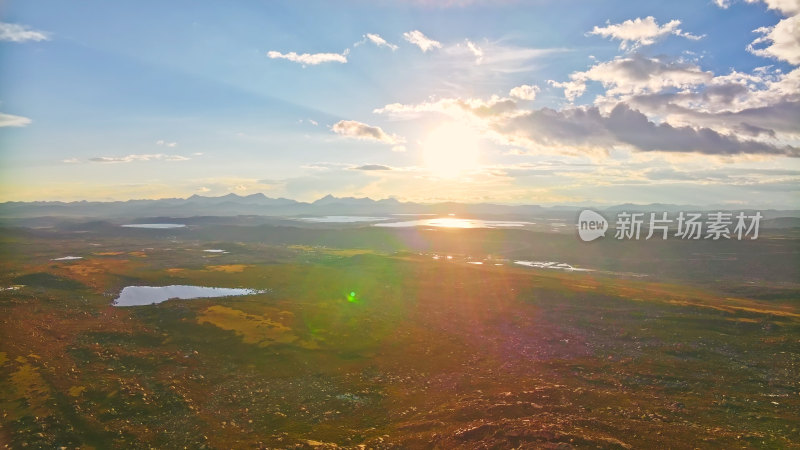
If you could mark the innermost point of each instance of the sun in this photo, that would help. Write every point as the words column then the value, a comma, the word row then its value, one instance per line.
column 451, row 149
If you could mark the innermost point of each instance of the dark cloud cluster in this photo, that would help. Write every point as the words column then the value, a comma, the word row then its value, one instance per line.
column 588, row 127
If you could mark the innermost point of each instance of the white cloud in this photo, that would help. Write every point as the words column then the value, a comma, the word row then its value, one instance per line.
column 136, row 158
column 635, row 74
column 781, row 41
column 310, row 59
column 524, row 92
column 734, row 92
column 164, row 143
column 70, row 161
column 572, row 89
column 787, row 7
column 378, row 40
column 496, row 57
column 763, row 104
column 10, row 120
column 359, row 130
column 646, row 105
column 371, row 167
column 420, row 40
column 591, row 131
column 325, row 166
column 13, row 32
column 640, row 32
column 462, row 109
column 510, row 59
column 587, row 128
column 477, row 51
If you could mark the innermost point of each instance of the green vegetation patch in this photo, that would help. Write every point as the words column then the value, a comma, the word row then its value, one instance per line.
column 46, row 280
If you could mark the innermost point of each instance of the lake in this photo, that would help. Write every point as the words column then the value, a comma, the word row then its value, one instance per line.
column 159, row 226
column 147, row 295
column 342, row 219
column 452, row 222
column 551, row 265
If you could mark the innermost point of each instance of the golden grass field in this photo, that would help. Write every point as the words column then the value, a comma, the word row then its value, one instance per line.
column 360, row 347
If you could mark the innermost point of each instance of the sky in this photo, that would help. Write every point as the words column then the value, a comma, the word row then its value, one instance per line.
column 519, row 102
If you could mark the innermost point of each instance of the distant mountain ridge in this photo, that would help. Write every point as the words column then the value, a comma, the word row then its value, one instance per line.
column 260, row 204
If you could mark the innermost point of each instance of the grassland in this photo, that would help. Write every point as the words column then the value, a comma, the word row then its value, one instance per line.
column 372, row 342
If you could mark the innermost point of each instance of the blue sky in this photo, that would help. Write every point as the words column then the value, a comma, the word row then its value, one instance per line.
column 548, row 102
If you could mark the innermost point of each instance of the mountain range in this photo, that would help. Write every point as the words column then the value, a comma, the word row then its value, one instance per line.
column 261, row 205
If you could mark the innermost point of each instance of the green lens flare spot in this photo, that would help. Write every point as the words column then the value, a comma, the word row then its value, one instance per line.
column 351, row 297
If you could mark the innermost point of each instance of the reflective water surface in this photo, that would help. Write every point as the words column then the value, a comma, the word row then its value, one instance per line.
column 155, row 225
column 148, row 295
column 452, row 222
column 342, row 219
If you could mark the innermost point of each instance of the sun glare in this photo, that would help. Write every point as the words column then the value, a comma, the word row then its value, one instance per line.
column 451, row 149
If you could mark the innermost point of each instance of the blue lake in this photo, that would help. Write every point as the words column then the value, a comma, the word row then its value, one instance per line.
column 147, row 295
column 155, row 225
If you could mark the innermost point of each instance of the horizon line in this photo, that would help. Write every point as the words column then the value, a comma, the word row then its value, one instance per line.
column 587, row 204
